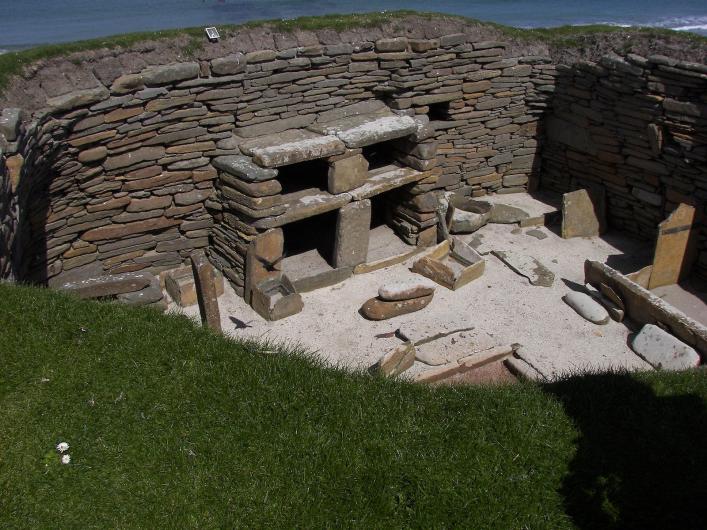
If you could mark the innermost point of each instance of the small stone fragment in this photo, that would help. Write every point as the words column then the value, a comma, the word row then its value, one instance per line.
column 663, row 350
column 396, row 361
column 586, row 307
column 528, row 266
column 537, row 234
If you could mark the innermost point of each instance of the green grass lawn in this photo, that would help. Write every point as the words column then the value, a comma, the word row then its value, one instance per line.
column 172, row 426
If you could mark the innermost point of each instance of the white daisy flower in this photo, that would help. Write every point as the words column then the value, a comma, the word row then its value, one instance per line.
column 65, row 459
column 62, row 447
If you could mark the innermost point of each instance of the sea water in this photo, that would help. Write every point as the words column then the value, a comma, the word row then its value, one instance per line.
column 25, row 23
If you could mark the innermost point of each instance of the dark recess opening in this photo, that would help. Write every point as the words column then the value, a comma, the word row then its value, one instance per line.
column 379, row 155
column 303, row 176
column 439, row 111
column 314, row 233
column 381, row 208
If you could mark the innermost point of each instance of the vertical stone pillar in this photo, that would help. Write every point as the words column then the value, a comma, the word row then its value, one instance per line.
column 264, row 259
column 205, row 281
column 353, row 230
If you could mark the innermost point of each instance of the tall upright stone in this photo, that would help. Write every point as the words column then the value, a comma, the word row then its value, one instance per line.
column 353, row 228
column 205, row 280
column 674, row 251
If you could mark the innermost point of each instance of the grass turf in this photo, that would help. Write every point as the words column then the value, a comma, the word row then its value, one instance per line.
column 568, row 36
column 171, row 425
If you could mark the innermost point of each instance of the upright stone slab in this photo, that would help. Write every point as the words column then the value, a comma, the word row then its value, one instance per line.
column 347, row 174
column 582, row 215
column 263, row 260
column 673, row 253
column 353, row 228
column 205, row 280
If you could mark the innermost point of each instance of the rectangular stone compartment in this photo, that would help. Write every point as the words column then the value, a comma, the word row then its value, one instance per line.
column 276, row 298
column 451, row 265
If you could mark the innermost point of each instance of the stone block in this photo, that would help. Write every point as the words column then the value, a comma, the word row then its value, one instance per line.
column 243, row 167
column 169, row 73
column 347, row 174
column 229, row 65
column 353, row 227
column 180, row 285
column 583, row 214
column 674, row 249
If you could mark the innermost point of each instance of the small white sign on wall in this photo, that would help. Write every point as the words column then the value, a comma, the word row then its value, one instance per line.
column 212, row 34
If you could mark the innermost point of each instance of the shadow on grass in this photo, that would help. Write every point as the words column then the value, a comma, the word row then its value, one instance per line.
column 640, row 461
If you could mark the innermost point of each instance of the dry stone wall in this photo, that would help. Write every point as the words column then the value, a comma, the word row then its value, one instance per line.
column 138, row 173
column 636, row 128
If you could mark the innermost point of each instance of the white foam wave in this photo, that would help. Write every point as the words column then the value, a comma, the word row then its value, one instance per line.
column 702, row 27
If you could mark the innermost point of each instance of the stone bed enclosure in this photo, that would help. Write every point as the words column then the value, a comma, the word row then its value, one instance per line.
column 314, row 143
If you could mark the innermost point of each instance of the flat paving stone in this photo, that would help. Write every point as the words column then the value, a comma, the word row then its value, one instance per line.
column 663, row 350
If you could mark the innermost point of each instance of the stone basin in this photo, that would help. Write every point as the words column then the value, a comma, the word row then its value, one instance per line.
column 466, row 215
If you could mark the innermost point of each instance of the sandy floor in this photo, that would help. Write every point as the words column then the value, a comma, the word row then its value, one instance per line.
column 501, row 307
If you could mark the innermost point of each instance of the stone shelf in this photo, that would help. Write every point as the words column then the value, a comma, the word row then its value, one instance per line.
column 360, row 131
column 303, row 204
column 387, row 178
column 291, row 147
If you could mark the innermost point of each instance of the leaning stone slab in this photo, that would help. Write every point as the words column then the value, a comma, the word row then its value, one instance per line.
column 406, row 290
column 587, row 308
column 377, row 309
column 662, row 350
column 109, row 285
column 395, row 362
column 582, row 215
column 205, row 280
column 169, row 73
column 526, row 266
column 243, row 167
column 674, row 252
column 291, row 147
column 80, row 98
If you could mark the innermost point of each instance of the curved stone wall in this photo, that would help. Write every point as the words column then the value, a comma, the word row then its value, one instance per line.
column 122, row 178
column 145, row 163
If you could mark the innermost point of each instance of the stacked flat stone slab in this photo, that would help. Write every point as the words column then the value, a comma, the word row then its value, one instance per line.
column 634, row 126
column 122, row 173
